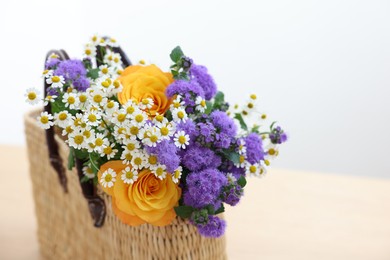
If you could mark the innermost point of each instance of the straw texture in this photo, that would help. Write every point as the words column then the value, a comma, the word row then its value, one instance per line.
column 65, row 226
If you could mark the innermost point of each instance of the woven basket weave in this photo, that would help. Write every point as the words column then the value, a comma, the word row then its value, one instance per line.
column 65, row 226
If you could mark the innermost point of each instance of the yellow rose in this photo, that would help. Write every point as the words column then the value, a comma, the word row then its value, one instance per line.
column 141, row 82
column 148, row 200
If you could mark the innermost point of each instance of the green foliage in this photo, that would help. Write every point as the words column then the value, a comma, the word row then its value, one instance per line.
column 176, row 54
column 93, row 73
column 241, row 120
column 232, row 156
column 184, row 211
column 241, row 181
column 71, row 159
column 220, row 210
column 255, row 129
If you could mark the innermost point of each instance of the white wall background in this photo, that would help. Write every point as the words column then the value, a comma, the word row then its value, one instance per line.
column 321, row 68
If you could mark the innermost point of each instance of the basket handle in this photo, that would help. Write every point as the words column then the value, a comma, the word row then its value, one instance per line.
column 96, row 205
column 54, row 156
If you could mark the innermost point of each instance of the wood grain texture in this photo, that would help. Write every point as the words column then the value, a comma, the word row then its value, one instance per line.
column 286, row 215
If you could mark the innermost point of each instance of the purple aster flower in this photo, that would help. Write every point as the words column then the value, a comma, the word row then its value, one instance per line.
column 254, row 148
column 52, row 91
column 206, row 131
column 71, row 69
column 199, row 74
column 189, row 128
column 181, row 87
column 197, row 158
column 81, row 84
column 204, row 188
column 166, row 153
column 215, row 227
column 232, row 194
column 222, row 140
column 51, row 63
column 224, row 123
column 278, row 136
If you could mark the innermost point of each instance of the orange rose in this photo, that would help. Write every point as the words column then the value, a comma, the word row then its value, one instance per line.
column 148, row 200
column 141, row 82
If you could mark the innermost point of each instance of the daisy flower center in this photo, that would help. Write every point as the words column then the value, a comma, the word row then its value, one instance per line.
column 152, row 159
column 32, row 96
column 242, row 159
column 107, row 150
column 154, row 138
column 130, row 110
column 271, row 151
column 79, row 139
column 252, row 169
column 116, row 84
column 159, row 171
column 180, row 114
column 138, row 161
column 82, row 98
column 182, row 139
column 121, row 117
column 97, row 98
column 108, row 178
column 203, row 103
column 55, row 79
column 104, row 70
column 92, row 118
column 134, row 130
column 139, row 118
column 62, row 116
column 130, row 146
column 99, row 142
column 110, row 104
column 129, row 175
column 71, row 100
column 44, row 119
column 164, row 130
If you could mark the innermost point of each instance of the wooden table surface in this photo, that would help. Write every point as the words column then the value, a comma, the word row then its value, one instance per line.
column 286, row 215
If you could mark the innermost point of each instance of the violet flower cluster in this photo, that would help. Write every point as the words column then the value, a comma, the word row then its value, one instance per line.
column 221, row 154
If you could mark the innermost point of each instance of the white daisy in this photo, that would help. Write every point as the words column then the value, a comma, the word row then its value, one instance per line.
column 151, row 161
column 82, row 99
column 167, row 130
column 129, row 176
column 241, row 161
column 177, row 174
column 140, row 118
column 131, row 108
column 49, row 99
column 181, row 139
column 116, row 87
column 160, row 171
column 126, row 157
column 90, row 51
column 253, row 169
column 119, row 117
column 92, row 118
column 177, row 102
column 95, row 39
column 242, row 147
column 138, row 160
column 179, row 115
column 152, row 136
column 131, row 145
column 231, row 178
column 100, row 141
column 32, row 96
column 77, row 140
column 44, row 120
column 112, row 42
column 62, row 119
column 70, row 100
column 110, row 107
column 105, row 71
column 159, row 120
column 200, row 104
column 97, row 97
column 108, row 178
column 47, row 73
column 88, row 172
column 109, row 151
column 56, row 81
column 146, row 103
column 68, row 129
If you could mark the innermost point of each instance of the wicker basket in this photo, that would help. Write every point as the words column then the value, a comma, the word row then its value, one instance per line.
column 65, row 226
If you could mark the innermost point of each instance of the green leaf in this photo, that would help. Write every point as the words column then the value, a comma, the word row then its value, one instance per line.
column 242, row 121
column 220, row 210
column 176, row 54
column 232, row 156
column 255, row 129
column 81, row 154
column 93, row 73
column 84, row 179
column 210, row 209
column 241, row 181
column 184, row 211
column 219, row 98
column 71, row 159
column 209, row 107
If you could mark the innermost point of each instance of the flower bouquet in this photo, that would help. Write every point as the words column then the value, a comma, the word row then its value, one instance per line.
column 161, row 145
